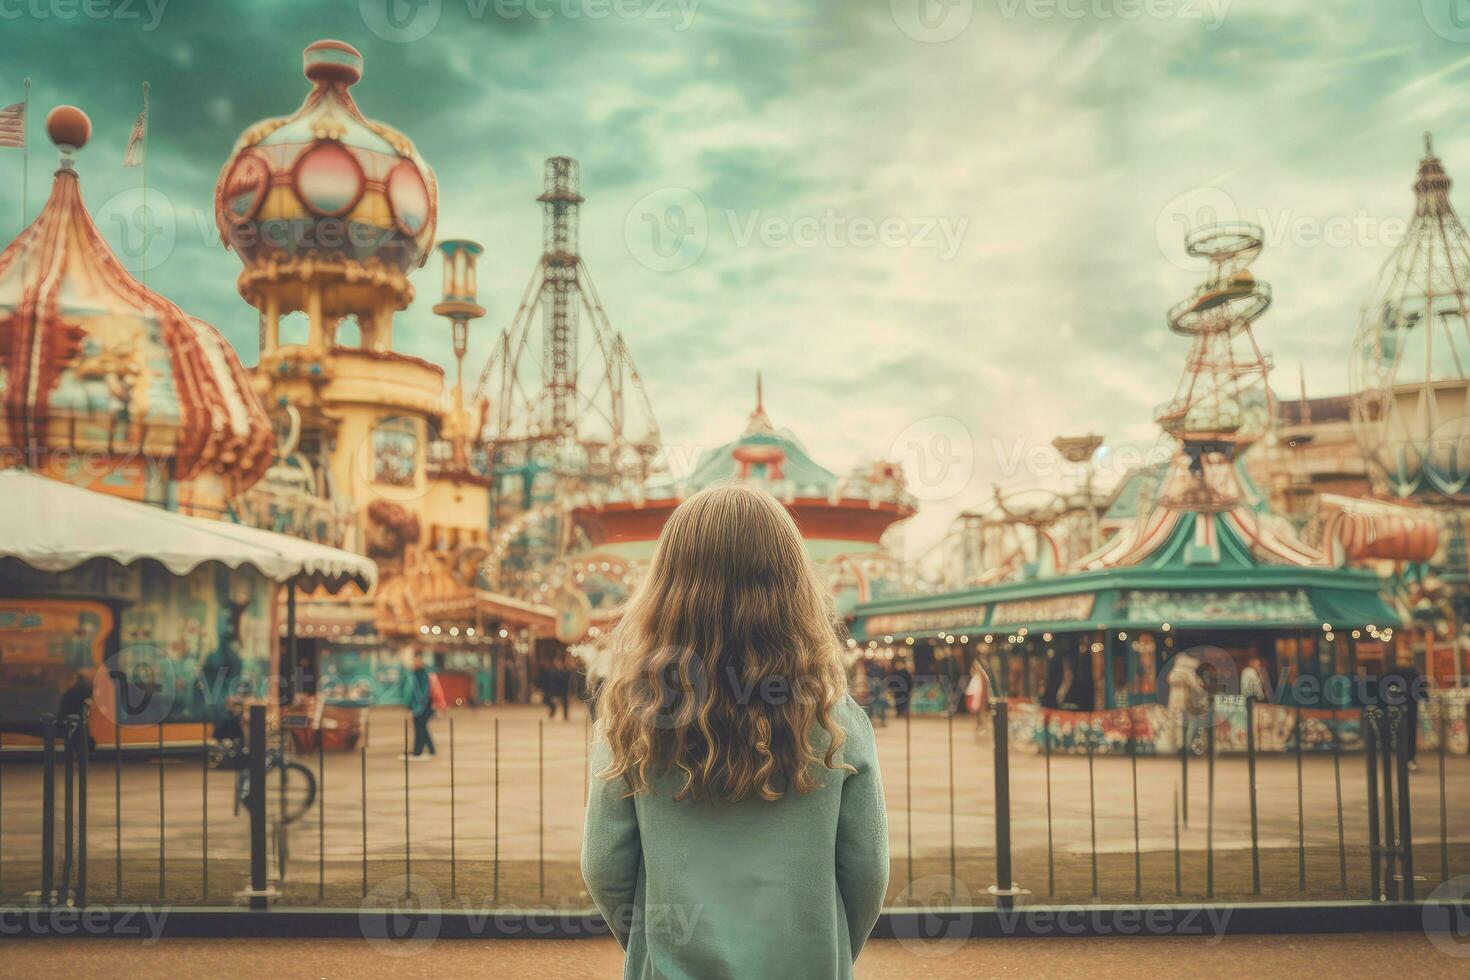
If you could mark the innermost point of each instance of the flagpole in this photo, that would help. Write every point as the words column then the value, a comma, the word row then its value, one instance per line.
column 25, row 159
column 147, row 214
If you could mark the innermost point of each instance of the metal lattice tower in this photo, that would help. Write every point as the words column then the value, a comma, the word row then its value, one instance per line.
column 1223, row 402
column 559, row 288
column 574, row 388
column 567, row 419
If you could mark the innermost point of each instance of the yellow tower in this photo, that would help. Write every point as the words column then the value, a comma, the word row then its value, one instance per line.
column 330, row 212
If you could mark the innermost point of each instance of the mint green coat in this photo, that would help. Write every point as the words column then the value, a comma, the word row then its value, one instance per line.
column 758, row 889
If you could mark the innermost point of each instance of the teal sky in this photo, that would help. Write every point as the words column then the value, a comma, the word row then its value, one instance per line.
column 1032, row 162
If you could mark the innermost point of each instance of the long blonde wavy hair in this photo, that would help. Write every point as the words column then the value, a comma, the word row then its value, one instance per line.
column 726, row 657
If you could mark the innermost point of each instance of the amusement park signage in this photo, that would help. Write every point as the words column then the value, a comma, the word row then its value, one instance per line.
column 1258, row 606
column 1053, row 609
column 953, row 617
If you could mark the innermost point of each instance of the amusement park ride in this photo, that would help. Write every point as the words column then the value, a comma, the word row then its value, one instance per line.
column 1411, row 364
column 1027, row 531
column 1223, row 403
column 1410, row 375
column 566, row 418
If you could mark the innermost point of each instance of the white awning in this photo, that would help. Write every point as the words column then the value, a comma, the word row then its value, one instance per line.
column 53, row 526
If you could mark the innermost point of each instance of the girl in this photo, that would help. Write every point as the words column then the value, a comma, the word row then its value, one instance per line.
column 735, row 821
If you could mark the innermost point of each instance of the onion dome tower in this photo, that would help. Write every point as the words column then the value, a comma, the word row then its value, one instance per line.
column 328, row 210
column 1411, row 358
column 105, row 382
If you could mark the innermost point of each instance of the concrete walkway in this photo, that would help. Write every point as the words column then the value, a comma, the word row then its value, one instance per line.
column 1247, row 957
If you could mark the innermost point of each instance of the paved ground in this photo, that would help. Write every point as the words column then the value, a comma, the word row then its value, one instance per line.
column 941, row 808
column 1252, row 957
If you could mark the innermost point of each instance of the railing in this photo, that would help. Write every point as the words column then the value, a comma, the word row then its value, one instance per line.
column 978, row 819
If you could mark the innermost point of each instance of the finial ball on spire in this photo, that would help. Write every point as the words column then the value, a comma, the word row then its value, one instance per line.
column 333, row 61
column 68, row 127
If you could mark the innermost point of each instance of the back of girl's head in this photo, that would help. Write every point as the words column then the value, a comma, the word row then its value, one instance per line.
column 726, row 657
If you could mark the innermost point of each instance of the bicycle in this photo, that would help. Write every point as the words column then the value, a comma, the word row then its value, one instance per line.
column 297, row 783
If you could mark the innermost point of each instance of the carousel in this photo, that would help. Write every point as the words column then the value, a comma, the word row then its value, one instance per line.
column 130, row 429
column 842, row 519
column 1197, row 571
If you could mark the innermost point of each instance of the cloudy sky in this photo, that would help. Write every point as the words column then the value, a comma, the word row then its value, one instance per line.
column 923, row 220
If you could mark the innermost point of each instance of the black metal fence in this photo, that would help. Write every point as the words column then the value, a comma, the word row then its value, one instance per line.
column 977, row 819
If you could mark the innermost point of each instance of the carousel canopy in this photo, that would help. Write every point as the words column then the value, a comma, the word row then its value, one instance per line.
column 53, row 527
column 91, row 361
column 1230, row 566
column 1236, row 596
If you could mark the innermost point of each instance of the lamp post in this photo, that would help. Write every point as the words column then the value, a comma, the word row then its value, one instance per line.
column 459, row 304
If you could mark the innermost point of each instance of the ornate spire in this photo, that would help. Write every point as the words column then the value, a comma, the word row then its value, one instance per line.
column 760, row 422
column 1432, row 184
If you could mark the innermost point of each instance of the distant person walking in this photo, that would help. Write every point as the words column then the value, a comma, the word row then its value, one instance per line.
column 1253, row 685
column 73, row 708
column 425, row 697
column 977, row 697
column 1188, row 701
column 556, row 686
column 901, row 685
column 878, row 699
column 730, row 833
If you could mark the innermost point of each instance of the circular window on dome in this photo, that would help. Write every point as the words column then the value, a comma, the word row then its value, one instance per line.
column 245, row 188
column 328, row 180
column 408, row 195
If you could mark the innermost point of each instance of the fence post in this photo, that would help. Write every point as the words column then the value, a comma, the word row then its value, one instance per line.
column 1051, row 876
column 1301, row 807
column 1337, row 789
column 1375, row 846
column 162, row 847
column 2, row 802
column 48, row 807
column 204, row 807
column 1387, row 751
column 68, row 816
column 1004, row 888
column 1092, row 805
column 117, row 794
column 86, row 748
column 256, row 806
column 1250, row 770
column 1210, row 801
column 1405, row 748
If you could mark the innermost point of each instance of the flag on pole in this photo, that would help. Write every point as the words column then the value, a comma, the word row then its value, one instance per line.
column 13, row 126
column 139, row 136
